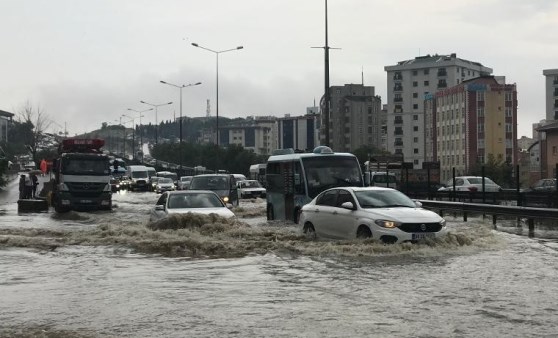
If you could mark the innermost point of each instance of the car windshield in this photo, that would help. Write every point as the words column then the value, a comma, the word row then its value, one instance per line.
column 164, row 180
column 251, row 184
column 199, row 200
column 85, row 166
column 383, row 199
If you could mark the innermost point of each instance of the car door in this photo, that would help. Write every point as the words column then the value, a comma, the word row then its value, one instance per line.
column 342, row 219
column 323, row 212
column 159, row 214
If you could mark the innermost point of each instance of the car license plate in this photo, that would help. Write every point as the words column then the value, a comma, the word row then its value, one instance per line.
column 423, row 235
column 85, row 201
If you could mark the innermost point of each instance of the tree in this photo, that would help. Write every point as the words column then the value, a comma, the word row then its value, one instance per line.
column 38, row 120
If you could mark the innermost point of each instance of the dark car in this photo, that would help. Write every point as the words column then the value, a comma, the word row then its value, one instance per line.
column 114, row 184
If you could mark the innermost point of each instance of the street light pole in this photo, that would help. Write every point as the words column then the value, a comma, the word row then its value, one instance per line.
column 141, row 130
column 133, row 120
column 180, row 121
column 217, row 52
column 156, row 121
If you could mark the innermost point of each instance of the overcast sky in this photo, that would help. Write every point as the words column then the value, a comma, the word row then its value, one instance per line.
column 87, row 62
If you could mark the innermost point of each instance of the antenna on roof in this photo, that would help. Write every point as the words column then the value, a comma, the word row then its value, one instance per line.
column 362, row 75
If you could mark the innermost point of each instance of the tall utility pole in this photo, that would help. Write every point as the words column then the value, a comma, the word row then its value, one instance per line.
column 327, row 96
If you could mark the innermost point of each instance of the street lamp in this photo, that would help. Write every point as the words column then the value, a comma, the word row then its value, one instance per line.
column 180, row 87
column 156, row 122
column 133, row 120
column 141, row 130
column 217, row 52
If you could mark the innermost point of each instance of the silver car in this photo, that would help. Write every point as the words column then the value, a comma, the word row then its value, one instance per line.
column 472, row 184
column 182, row 202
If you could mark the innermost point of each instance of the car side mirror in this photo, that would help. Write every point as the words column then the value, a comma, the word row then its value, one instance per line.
column 348, row 205
column 159, row 207
column 418, row 204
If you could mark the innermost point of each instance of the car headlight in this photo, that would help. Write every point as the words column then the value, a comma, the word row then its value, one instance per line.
column 387, row 224
column 226, row 199
column 443, row 222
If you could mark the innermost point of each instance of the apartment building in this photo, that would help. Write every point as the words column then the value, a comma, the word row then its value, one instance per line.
column 5, row 120
column 258, row 134
column 551, row 93
column 408, row 83
column 298, row 132
column 355, row 118
column 467, row 123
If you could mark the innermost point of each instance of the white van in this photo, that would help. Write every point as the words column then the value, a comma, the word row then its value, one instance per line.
column 139, row 177
column 380, row 179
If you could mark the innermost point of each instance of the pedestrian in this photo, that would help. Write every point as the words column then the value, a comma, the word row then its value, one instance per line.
column 22, row 187
column 35, row 181
column 28, row 187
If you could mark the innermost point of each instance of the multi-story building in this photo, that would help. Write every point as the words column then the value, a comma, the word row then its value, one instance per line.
column 408, row 83
column 299, row 132
column 258, row 134
column 355, row 118
column 551, row 90
column 5, row 120
column 468, row 123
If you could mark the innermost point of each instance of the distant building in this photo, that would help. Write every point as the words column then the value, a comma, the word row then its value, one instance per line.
column 258, row 134
column 5, row 120
column 548, row 149
column 551, row 93
column 467, row 123
column 408, row 82
column 355, row 118
column 300, row 132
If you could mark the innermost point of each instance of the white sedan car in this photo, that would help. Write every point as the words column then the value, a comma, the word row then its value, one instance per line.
column 472, row 184
column 185, row 201
column 164, row 184
column 372, row 212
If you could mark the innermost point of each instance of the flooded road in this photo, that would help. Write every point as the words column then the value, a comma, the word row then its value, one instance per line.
column 111, row 274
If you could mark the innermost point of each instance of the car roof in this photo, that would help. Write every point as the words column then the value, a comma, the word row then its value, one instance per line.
column 190, row 192
column 214, row 175
column 355, row 189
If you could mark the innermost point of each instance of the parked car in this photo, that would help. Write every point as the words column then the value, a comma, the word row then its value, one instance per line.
column 471, row 183
column 250, row 189
column 543, row 185
column 164, row 184
column 194, row 201
column 184, row 183
column 380, row 213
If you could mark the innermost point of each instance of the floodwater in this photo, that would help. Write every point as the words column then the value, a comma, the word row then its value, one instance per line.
column 112, row 274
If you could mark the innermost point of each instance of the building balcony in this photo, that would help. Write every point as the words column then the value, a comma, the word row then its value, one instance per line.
column 442, row 85
column 398, row 132
column 400, row 99
column 398, row 121
column 442, row 73
column 398, row 77
column 398, row 143
column 397, row 88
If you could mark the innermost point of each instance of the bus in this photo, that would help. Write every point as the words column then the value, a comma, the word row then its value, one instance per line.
column 257, row 172
column 294, row 179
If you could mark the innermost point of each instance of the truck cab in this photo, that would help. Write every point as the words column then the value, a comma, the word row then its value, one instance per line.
column 81, row 176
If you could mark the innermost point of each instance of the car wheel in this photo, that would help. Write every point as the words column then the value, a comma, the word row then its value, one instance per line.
column 309, row 231
column 270, row 216
column 363, row 232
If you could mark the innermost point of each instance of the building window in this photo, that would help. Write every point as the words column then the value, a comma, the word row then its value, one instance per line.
column 415, row 106
column 508, row 128
column 415, row 128
column 414, row 72
column 415, row 84
column 415, row 161
column 426, row 71
column 480, row 96
column 415, row 139
column 427, row 83
column 415, row 117
column 480, row 111
column 508, row 112
column 508, row 96
column 415, row 151
column 415, row 95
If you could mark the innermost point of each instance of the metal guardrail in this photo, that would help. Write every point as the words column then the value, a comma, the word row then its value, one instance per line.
column 530, row 213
